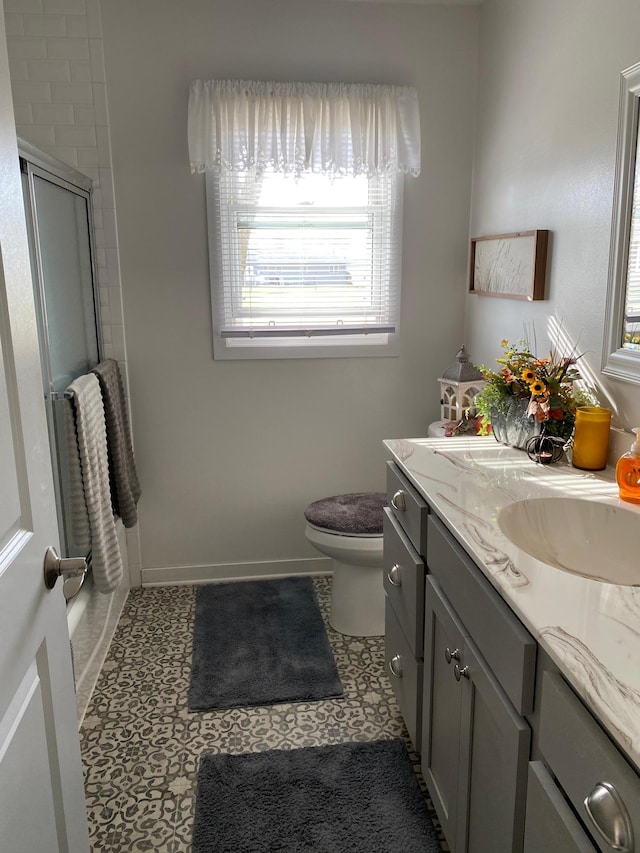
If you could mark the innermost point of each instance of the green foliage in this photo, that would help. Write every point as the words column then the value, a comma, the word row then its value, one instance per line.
column 548, row 384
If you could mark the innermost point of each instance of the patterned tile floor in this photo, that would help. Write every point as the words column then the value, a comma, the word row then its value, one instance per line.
column 141, row 744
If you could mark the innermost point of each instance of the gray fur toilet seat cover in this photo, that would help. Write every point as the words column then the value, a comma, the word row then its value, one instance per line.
column 358, row 514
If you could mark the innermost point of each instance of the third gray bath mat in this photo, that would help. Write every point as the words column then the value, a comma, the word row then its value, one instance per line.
column 260, row 643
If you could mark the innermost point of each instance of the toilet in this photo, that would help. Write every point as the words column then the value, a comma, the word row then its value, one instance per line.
column 348, row 528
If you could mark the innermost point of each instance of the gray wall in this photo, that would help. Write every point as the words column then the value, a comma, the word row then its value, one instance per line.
column 230, row 453
column 544, row 158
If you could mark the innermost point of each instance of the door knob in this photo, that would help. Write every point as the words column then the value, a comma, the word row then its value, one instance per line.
column 55, row 567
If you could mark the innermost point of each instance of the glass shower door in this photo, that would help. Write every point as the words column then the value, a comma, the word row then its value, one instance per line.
column 59, row 219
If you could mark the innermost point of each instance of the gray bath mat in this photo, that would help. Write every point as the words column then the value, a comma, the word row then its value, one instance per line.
column 350, row 798
column 258, row 643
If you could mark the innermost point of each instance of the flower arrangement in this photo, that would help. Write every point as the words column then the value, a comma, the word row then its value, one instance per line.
column 546, row 383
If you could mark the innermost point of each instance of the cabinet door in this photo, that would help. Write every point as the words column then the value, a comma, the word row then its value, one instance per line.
column 550, row 824
column 443, row 648
column 494, row 754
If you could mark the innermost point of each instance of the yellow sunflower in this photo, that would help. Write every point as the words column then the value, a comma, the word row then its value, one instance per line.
column 537, row 387
column 528, row 375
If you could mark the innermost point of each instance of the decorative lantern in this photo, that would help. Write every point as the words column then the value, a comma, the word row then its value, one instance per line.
column 459, row 384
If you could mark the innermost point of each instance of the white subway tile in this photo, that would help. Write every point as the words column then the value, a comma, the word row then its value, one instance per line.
column 71, row 93
column 103, row 296
column 45, row 25
column 65, row 7
column 67, row 48
column 53, row 113
column 87, row 156
column 84, row 114
column 18, row 70
column 93, row 173
column 98, row 235
column 67, row 155
column 20, row 47
column 117, row 337
column 106, row 185
column 38, row 135
column 104, row 146
column 113, row 265
column 77, row 26
column 53, row 70
column 31, row 93
column 23, row 6
column 80, row 71
column 97, row 60
column 101, row 260
column 14, row 24
column 94, row 19
column 115, row 304
column 78, row 137
column 103, row 281
column 105, row 315
column 98, row 219
column 23, row 113
column 100, row 103
column 108, row 347
column 110, row 232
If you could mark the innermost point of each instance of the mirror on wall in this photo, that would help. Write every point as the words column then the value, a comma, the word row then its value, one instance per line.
column 621, row 356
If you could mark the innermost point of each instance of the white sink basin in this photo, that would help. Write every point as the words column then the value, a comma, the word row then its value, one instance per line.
column 595, row 540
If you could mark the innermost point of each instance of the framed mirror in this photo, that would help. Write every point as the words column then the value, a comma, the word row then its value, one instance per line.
column 621, row 355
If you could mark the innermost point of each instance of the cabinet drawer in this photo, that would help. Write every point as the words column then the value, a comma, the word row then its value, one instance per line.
column 405, row 674
column 503, row 641
column 404, row 582
column 582, row 757
column 408, row 506
column 550, row 823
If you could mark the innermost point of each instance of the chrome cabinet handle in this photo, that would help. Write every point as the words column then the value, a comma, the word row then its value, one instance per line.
column 393, row 575
column 395, row 666
column 398, row 501
column 451, row 655
column 608, row 813
column 460, row 673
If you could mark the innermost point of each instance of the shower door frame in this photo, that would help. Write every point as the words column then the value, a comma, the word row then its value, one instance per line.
column 36, row 163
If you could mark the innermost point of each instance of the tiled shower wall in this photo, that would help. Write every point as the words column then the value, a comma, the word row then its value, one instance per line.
column 60, row 101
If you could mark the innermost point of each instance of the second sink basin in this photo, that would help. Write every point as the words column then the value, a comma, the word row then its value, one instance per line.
column 588, row 538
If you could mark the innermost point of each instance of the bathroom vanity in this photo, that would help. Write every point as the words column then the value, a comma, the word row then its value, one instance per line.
column 519, row 681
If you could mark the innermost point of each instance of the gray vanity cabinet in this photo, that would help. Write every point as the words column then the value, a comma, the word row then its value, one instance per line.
column 551, row 824
column 475, row 746
column 404, row 529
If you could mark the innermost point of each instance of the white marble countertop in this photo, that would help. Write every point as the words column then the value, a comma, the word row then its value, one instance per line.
column 590, row 629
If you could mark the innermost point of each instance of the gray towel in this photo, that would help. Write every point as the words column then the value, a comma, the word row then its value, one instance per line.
column 92, row 446
column 125, row 488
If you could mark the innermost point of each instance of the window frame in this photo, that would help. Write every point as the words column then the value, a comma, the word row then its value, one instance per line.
column 326, row 346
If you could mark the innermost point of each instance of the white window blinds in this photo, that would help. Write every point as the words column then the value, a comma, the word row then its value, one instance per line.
column 306, row 258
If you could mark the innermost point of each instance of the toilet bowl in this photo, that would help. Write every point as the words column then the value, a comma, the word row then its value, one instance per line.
column 348, row 528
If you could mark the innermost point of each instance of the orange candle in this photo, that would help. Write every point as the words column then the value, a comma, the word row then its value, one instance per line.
column 591, row 438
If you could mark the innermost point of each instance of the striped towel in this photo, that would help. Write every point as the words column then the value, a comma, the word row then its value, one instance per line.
column 79, row 517
column 92, row 447
column 125, row 488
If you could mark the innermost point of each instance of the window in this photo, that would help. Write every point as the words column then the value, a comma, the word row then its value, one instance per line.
column 304, row 266
column 304, row 197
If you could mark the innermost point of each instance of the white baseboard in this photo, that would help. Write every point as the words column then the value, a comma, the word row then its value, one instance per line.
column 177, row 575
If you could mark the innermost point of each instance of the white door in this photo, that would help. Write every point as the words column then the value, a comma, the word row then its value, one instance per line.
column 42, row 806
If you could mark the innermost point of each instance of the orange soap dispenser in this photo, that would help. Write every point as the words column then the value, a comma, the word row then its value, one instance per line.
column 628, row 472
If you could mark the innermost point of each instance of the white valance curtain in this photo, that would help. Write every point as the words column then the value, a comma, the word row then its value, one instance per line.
column 332, row 128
